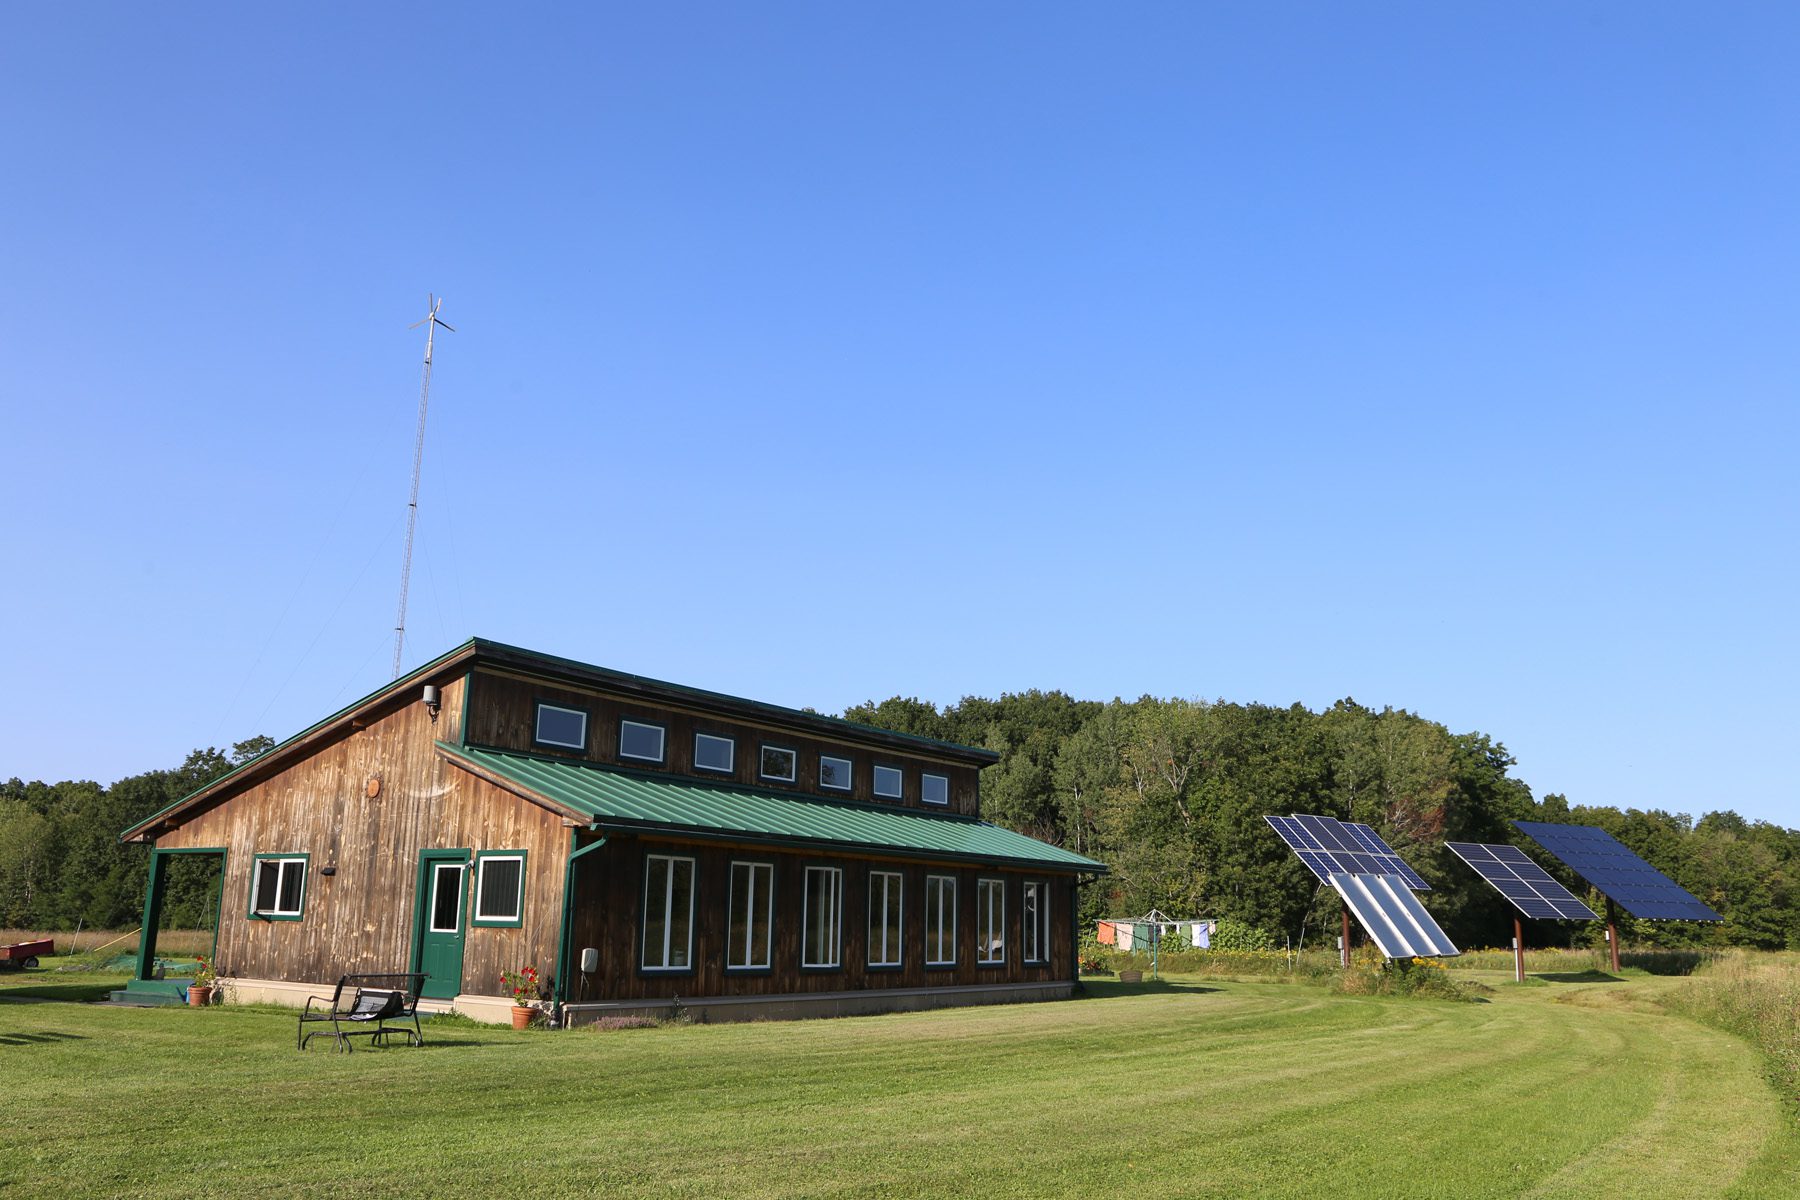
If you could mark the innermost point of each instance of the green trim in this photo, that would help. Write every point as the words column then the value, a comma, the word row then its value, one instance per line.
column 476, row 920
column 462, row 736
column 306, row 868
column 445, row 854
column 567, row 934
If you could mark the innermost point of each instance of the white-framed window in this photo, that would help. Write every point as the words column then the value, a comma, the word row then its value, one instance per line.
column 834, row 773
column 1035, row 922
column 499, row 888
column 447, row 896
column 990, row 922
column 822, row 917
column 940, row 920
column 668, row 913
column 559, row 726
column 714, row 753
column 934, row 789
column 885, row 918
column 641, row 740
column 278, row 887
column 888, row 782
column 749, row 930
column 778, row 763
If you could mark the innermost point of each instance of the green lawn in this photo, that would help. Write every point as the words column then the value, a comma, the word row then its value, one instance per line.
column 1206, row 1088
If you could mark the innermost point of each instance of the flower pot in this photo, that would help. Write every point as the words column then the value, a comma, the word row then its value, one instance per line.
column 199, row 997
column 522, row 1015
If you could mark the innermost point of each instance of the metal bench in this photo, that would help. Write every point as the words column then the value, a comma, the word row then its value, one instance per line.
column 364, row 1006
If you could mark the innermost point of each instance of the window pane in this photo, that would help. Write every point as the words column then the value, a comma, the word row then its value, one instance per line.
column 934, row 789
column 834, row 773
column 884, row 919
column 446, row 899
column 268, row 879
column 761, row 914
column 640, row 741
column 561, row 726
column 293, row 876
column 940, row 919
column 713, row 753
column 887, row 782
column 737, row 924
column 656, row 912
column 990, row 921
column 823, row 913
column 499, row 898
column 777, row 763
column 1034, row 942
column 681, row 910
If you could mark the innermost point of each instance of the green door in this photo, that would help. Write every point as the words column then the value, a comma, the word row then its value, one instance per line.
column 438, row 939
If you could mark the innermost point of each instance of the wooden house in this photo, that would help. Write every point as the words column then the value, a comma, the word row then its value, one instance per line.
column 636, row 841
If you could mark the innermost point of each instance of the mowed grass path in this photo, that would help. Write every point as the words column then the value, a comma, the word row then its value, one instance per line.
column 1225, row 1089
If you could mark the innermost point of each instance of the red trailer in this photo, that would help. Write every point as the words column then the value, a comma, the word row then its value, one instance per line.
column 25, row 954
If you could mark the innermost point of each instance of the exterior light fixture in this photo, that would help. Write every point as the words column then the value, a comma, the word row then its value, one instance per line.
column 432, row 702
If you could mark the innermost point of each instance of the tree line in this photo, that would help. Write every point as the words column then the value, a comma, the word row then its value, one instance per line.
column 1170, row 794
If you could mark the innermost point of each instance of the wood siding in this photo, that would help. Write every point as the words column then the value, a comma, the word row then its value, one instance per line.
column 360, row 919
column 503, row 715
column 609, row 899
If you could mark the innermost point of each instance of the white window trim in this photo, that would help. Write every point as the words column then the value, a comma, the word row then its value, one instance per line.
column 894, row 892
column 462, row 881
column 944, row 909
column 983, row 948
column 668, row 912
column 1037, row 930
column 537, row 726
column 662, row 741
column 944, row 779
column 730, row 753
column 837, row 916
column 297, row 862
column 899, row 791
column 849, row 770
column 793, row 763
column 481, row 865
column 768, row 901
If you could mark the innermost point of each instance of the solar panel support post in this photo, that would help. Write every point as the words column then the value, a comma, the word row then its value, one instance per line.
column 1518, row 950
column 1612, row 933
column 1344, row 942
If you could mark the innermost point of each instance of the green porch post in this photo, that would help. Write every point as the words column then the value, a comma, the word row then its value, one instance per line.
column 153, row 899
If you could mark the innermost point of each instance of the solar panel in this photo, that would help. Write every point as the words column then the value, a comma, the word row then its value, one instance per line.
column 1531, row 889
column 1328, row 846
column 1392, row 916
column 1391, row 863
column 1601, row 859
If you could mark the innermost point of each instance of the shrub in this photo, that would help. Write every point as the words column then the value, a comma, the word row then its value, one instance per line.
column 1232, row 934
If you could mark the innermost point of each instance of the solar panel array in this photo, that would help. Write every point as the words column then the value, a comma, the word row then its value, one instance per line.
column 1531, row 889
column 1601, row 859
column 1392, row 916
column 1330, row 847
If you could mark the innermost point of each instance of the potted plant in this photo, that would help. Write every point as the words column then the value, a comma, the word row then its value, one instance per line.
column 200, row 991
column 523, row 987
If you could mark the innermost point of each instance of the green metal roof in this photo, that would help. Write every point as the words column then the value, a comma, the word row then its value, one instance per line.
column 629, row 801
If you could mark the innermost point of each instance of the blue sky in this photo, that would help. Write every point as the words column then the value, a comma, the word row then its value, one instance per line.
column 1439, row 356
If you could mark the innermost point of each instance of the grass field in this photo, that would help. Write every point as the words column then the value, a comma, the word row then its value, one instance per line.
column 1196, row 1088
